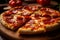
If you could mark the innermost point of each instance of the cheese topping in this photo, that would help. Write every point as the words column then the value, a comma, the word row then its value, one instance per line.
column 26, row 12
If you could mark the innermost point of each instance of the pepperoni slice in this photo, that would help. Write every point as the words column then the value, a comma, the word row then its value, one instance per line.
column 20, row 19
column 55, row 15
column 9, row 20
column 15, row 25
column 52, row 20
column 46, row 15
column 47, row 21
column 27, row 17
column 27, row 7
column 8, row 13
column 43, row 9
column 37, row 16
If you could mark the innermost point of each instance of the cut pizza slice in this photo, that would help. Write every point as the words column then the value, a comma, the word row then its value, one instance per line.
column 37, row 26
column 32, row 27
column 13, row 21
column 7, row 19
column 48, row 22
column 40, row 24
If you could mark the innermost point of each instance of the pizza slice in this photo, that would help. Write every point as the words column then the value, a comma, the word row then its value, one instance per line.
column 32, row 27
column 40, row 24
column 48, row 21
column 12, row 20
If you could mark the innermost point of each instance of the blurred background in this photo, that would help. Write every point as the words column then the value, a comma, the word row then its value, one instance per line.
column 3, row 1
column 6, row 1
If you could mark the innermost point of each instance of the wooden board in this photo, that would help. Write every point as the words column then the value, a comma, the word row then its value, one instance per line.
column 16, row 36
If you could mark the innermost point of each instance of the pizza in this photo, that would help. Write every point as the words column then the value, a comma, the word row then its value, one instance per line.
column 31, row 19
column 40, row 24
column 16, row 17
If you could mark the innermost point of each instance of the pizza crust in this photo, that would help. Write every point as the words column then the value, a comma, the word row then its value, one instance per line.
column 53, row 27
column 5, row 23
column 40, row 30
column 29, row 31
column 41, row 13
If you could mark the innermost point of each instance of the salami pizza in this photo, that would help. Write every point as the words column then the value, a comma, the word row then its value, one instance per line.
column 40, row 24
column 31, row 19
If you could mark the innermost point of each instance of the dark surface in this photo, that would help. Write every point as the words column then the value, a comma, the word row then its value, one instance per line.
column 3, row 1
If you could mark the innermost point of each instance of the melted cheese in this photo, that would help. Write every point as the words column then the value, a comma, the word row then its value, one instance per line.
column 26, row 12
column 41, row 23
column 36, row 21
column 19, row 12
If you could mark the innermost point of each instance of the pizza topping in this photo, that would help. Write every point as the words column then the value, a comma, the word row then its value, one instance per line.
column 31, row 22
column 46, row 21
column 20, row 19
column 8, row 13
column 52, row 20
column 34, row 8
column 55, row 16
column 14, row 11
column 37, row 16
column 41, row 23
column 51, row 10
column 28, row 8
column 19, row 12
column 31, row 8
column 15, row 25
column 43, row 9
column 32, row 25
column 9, row 20
column 34, row 28
column 26, row 12
column 46, row 15
column 27, row 17
column 36, row 21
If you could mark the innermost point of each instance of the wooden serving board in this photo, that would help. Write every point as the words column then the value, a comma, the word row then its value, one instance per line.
column 16, row 35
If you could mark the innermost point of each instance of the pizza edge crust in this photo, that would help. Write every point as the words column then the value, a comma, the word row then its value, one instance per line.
column 5, row 24
column 44, row 30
